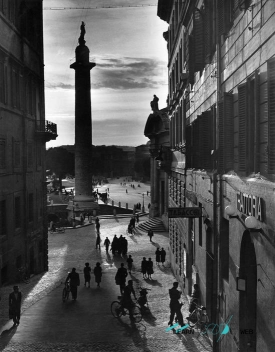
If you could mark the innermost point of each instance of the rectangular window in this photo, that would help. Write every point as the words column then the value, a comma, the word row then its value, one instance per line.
column 2, row 153
column 3, row 217
column 224, row 249
column 17, row 212
column 242, row 110
column 31, row 207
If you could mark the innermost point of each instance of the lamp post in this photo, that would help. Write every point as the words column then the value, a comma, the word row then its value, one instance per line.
column 143, row 210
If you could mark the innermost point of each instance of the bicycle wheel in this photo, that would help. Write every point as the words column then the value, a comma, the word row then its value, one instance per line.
column 64, row 294
column 116, row 309
column 193, row 319
column 136, row 312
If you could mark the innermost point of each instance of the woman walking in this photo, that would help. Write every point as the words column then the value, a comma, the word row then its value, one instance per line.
column 150, row 270
column 87, row 274
column 98, row 274
column 144, row 267
column 158, row 253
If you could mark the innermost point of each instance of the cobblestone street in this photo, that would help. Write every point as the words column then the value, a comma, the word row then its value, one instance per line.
column 48, row 324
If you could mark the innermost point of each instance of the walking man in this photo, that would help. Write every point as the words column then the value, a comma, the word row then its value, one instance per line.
column 150, row 234
column 121, row 277
column 175, row 305
column 73, row 277
column 15, row 305
column 107, row 243
column 98, row 274
column 130, row 263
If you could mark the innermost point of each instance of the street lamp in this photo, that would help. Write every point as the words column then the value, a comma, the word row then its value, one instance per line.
column 143, row 209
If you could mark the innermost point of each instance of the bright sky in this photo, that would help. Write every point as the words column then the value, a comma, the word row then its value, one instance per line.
column 131, row 65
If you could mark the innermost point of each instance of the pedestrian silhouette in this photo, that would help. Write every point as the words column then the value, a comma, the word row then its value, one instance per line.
column 150, row 270
column 15, row 299
column 144, row 268
column 98, row 273
column 158, row 254
column 73, row 277
column 162, row 256
column 121, row 277
column 130, row 263
column 87, row 274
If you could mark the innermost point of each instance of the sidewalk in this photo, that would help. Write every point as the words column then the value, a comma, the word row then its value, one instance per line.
column 47, row 324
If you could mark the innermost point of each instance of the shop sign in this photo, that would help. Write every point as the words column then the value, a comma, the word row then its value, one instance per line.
column 189, row 212
column 250, row 205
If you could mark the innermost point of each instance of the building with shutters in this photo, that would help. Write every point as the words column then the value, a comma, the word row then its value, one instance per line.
column 23, row 134
column 221, row 67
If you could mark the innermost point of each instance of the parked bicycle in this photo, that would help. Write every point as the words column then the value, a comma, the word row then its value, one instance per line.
column 66, row 292
column 198, row 318
column 118, row 310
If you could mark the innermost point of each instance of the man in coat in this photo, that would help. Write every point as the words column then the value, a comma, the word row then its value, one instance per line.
column 175, row 305
column 15, row 305
column 121, row 277
column 73, row 277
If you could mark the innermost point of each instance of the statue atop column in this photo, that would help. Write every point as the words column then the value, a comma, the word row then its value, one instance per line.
column 81, row 40
column 154, row 103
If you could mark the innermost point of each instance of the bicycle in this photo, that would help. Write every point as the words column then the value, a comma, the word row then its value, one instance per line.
column 198, row 318
column 117, row 310
column 66, row 292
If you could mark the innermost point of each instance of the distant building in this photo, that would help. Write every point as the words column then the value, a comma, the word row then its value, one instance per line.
column 23, row 134
column 221, row 66
column 142, row 162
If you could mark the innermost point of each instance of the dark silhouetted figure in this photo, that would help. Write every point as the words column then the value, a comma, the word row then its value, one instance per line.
column 175, row 305
column 162, row 256
column 107, row 243
column 98, row 273
column 154, row 103
column 15, row 305
column 98, row 240
column 158, row 253
column 73, row 277
column 150, row 270
column 121, row 277
column 87, row 274
column 144, row 267
column 82, row 33
column 150, row 234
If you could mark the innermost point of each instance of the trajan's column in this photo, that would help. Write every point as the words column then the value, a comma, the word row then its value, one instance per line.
column 84, row 199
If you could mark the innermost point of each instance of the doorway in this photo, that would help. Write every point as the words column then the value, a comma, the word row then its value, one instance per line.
column 248, row 298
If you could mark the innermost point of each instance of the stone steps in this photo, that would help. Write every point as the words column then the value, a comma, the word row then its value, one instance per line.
column 154, row 224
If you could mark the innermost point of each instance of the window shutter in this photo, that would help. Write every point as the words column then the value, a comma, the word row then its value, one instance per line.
column 228, row 132
column 207, row 140
column 208, row 23
column 198, row 41
column 271, row 115
column 188, row 138
column 195, row 143
column 190, row 59
column 242, row 95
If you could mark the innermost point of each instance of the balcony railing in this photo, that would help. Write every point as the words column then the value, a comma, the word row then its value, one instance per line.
column 46, row 131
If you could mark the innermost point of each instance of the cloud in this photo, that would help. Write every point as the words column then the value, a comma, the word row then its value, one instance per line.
column 128, row 73
column 122, row 74
column 58, row 85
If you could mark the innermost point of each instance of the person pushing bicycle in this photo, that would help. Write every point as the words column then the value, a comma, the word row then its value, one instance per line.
column 126, row 300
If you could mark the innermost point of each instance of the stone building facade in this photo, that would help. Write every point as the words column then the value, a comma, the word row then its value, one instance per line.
column 221, row 64
column 157, row 130
column 23, row 134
